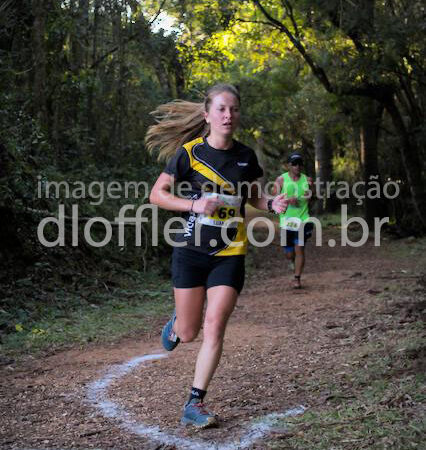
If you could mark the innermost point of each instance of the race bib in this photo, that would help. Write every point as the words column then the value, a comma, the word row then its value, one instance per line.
column 230, row 209
column 291, row 223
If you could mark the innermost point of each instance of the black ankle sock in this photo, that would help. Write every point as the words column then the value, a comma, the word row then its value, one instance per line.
column 199, row 394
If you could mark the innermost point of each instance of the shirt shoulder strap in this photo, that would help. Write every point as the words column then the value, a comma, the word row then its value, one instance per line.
column 201, row 167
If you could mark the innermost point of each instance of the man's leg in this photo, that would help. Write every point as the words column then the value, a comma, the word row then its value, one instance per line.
column 287, row 241
column 299, row 264
column 299, row 250
column 290, row 255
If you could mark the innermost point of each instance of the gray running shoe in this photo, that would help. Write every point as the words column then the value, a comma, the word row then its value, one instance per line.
column 169, row 338
column 195, row 414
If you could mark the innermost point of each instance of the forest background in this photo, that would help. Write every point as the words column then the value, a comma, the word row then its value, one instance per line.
column 343, row 81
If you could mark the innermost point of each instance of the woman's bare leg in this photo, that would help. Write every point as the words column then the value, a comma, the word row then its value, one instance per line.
column 221, row 303
column 189, row 312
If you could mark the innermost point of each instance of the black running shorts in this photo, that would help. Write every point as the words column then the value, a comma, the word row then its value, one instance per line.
column 291, row 238
column 193, row 269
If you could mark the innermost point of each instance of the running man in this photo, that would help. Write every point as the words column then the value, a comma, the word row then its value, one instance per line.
column 295, row 226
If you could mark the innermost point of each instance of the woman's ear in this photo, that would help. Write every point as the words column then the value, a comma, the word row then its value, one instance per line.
column 205, row 114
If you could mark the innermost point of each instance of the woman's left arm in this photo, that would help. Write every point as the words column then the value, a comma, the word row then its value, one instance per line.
column 259, row 200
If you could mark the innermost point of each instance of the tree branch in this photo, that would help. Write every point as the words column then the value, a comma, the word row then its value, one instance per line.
column 337, row 22
column 158, row 13
column 129, row 39
column 379, row 92
column 317, row 70
column 289, row 10
column 260, row 22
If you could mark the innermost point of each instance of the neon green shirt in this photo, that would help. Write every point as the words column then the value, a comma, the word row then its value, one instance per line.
column 295, row 189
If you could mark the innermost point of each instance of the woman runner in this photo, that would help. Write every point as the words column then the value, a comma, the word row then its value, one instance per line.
column 208, row 256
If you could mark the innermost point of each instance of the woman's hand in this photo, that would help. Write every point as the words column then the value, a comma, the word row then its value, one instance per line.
column 206, row 205
column 280, row 203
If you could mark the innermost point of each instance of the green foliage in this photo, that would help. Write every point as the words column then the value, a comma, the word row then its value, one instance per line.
column 338, row 53
column 76, row 109
column 90, row 310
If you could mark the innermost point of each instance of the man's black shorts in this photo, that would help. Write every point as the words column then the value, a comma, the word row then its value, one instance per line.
column 193, row 269
column 291, row 238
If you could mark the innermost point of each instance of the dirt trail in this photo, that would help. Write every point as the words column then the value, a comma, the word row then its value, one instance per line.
column 278, row 343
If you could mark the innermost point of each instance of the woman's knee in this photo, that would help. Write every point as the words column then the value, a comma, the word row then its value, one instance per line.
column 214, row 331
column 187, row 334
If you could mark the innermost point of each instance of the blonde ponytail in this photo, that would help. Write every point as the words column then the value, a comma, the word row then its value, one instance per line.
column 180, row 121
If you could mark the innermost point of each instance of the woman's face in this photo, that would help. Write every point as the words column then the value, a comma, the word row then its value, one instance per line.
column 224, row 114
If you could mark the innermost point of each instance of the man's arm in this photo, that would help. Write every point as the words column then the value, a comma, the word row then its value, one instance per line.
column 311, row 194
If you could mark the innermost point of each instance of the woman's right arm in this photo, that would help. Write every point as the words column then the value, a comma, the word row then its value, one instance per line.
column 162, row 197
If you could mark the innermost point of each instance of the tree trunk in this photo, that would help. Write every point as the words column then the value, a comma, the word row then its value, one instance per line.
column 412, row 165
column 79, row 44
column 179, row 75
column 39, row 57
column 119, row 82
column 371, row 114
column 91, row 122
column 162, row 75
column 323, row 168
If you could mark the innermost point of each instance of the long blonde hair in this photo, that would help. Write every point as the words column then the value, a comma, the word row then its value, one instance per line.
column 181, row 121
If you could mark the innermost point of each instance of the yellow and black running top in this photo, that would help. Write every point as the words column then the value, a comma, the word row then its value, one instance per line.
column 200, row 169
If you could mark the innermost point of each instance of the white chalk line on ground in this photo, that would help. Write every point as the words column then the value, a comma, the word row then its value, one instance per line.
column 97, row 395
